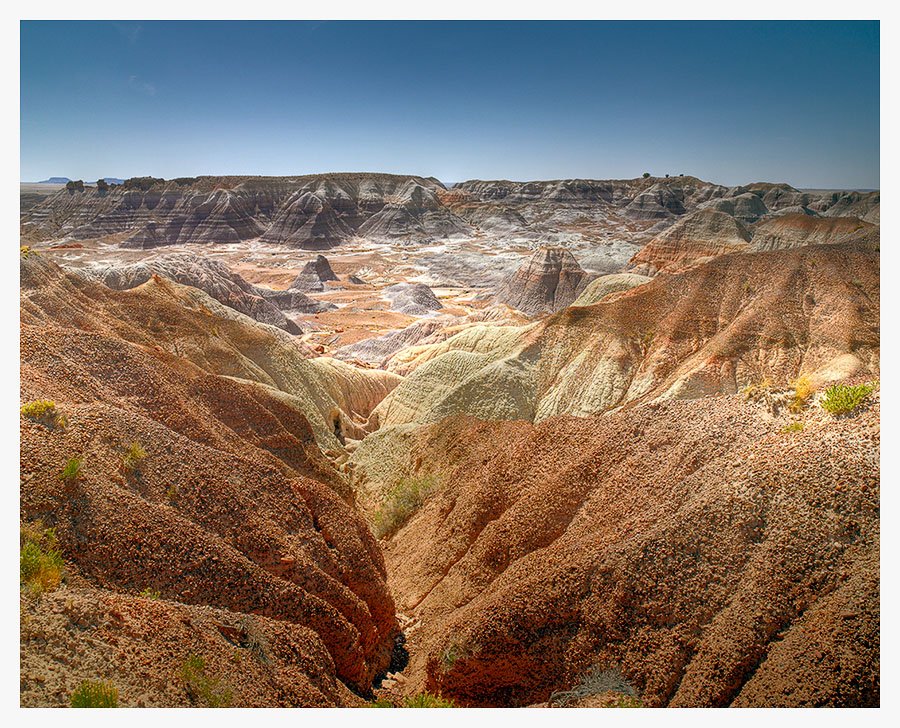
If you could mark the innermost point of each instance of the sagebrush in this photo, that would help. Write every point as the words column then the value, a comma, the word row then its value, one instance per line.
column 401, row 502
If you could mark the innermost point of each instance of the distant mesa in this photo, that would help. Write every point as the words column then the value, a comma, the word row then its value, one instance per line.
column 54, row 181
column 549, row 281
column 314, row 276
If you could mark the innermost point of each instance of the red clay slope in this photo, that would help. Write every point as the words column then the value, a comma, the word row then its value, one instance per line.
column 694, row 546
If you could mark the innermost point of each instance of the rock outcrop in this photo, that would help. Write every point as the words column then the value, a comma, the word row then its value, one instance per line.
column 314, row 276
column 548, row 281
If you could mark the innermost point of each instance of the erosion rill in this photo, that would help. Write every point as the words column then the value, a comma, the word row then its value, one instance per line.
column 456, row 459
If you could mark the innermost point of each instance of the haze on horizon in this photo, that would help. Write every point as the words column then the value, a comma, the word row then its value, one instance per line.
column 729, row 102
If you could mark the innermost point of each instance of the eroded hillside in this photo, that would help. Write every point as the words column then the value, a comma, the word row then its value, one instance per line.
column 475, row 430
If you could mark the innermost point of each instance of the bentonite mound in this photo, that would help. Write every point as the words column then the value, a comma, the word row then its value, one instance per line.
column 693, row 548
column 694, row 238
column 214, row 278
column 746, row 207
column 413, row 299
column 601, row 287
column 550, row 280
column 314, row 276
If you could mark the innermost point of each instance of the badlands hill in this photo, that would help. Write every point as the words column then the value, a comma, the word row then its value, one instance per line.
column 234, row 518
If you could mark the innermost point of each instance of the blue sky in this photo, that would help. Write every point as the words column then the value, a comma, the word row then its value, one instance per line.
column 730, row 102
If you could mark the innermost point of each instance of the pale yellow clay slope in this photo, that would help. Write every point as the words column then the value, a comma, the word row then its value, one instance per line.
column 750, row 317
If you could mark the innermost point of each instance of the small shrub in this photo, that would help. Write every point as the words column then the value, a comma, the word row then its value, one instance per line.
column 24, row 251
column 40, row 560
column 133, row 456
column 149, row 593
column 458, row 649
column 203, row 688
column 401, row 502
column 645, row 175
column 44, row 412
column 599, row 682
column 841, row 399
column 92, row 694
column 793, row 427
column 380, row 703
column 427, row 700
column 172, row 493
column 255, row 640
column 803, row 391
column 71, row 472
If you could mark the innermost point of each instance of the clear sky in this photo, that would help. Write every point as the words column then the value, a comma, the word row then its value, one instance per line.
column 731, row 102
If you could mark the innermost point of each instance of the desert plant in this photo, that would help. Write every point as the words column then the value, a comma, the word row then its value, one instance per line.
column 40, row 560
column 133, row 456
column 401, row 502
column 458, row 649
column 645, row 175
column 254, row 640
column 72, row 470
column 599, row 681
column 93, row 694
column 172, row 493
column 803, row 391
column 201, row 687
column 841, row 399
column 24, row 251
column 427, row 700
column 149, row 593
column 44, row 412
column 793, row 427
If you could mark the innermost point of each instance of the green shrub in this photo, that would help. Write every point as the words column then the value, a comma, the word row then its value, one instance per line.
column 24, row 251
column 841, row 399
column 71, row 472
column 793, row 427
column 201, row 687
column 92, row 694
column 40, row 560
column 427, row 700
column 149, row 593
column 401, row 502
column 133, row 456
column 44, row 412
